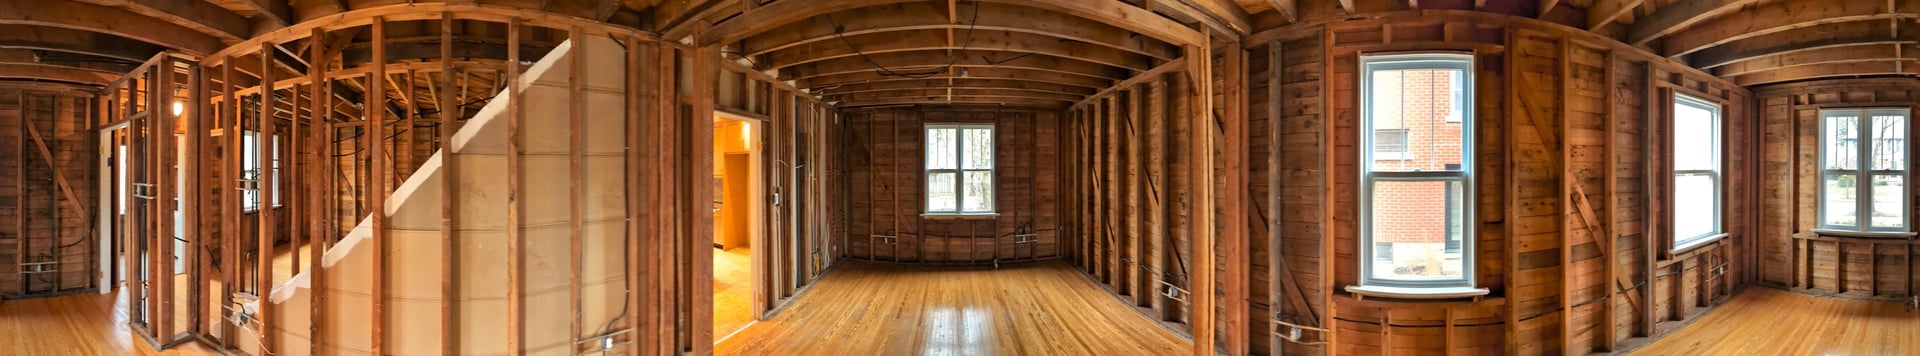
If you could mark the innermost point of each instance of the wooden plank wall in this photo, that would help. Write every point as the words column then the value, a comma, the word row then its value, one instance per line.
column 1559, row 111
column 37, row 221
column 885, row 157
column 1791, row 254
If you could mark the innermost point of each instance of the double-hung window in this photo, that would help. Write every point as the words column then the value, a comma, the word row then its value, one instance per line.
column 1416, row 193
column 959, row 169
column 1696, row 171
column 1864, row 167
column 250, row 170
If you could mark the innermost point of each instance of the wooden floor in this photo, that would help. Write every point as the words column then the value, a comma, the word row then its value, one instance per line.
column 1766, row 321
column 881, row 309
column 83, row 324
column 732, row 291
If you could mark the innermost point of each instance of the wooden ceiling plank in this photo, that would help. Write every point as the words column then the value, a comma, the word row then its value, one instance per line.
column 1778, row 17
column 820, row 83
column 76, row 41
column 1290, row 9
column 1014, row 42
column 921, row 61
column 96, row 18
column 1843, row 54
column 1112, row 12
column 1677, row 16
column 926, row 16
column 1224, row 17
column 1604, row 12
column 1806, row 39
column 55, row 73
column 199, row 15
column 1829, row 70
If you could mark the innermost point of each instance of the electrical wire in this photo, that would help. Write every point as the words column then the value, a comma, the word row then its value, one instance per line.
column 840, row 33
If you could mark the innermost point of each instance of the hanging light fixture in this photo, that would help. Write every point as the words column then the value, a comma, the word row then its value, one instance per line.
column 179, row 107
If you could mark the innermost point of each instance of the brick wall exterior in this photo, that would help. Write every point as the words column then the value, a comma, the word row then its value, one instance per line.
column 1414, row 211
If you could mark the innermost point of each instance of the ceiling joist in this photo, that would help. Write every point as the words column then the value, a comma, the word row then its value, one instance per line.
column 928, row 16
column 938, row 60
column 96, row 18
column 1011, row 42
column 1778, row 17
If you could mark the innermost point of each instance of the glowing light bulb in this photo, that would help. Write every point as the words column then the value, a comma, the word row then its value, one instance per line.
column 179, row 107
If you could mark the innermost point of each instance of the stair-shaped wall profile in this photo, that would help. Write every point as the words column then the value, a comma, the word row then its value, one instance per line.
column 413, row 299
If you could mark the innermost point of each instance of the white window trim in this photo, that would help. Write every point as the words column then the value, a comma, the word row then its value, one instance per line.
column 1369, row 63
column 959, row 171
column 275, row 161
column 1680, row 243
column 1862, row 173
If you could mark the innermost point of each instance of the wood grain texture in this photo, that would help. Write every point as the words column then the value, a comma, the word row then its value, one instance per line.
column 1040, row 308
column 1752, row 323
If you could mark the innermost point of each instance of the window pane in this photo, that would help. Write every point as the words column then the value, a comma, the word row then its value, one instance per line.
column 1694, row 206
column 1837, row 200
column 1840, row 140
column 1889, row 142
column 1412, row 113
column 1694, row 146
column 940, row 194
column 979, row 150
column 1889, row 209
column 1412, row 223
column 979, row 190
column 940, row 146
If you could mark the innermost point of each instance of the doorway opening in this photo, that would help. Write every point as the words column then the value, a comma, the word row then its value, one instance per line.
column 736, row 222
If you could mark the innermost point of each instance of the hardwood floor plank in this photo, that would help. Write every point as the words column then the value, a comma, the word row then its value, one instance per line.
column 1765, row 321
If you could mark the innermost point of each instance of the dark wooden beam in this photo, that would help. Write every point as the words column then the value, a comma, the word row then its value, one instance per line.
column 925, row 40
column 96, row 18
column 198, row 15
column 76, row 41
column 1827, row 70
column 1677, row 16
column 930, row 16
column 1844, row 54
column 55, row 73
column 1778, row 17
column 1806, row 39
column 937, row 93
column 1112, row 12
column 936, row 60
column 1011, row 102
column 1604, row 12
column 982, row 73
column 962, row 83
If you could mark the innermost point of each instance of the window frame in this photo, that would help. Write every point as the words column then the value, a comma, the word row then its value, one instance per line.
column 1677, row 243
column 1463, row 62
column 959, row 170
column 247, row 153
column 1863, row 172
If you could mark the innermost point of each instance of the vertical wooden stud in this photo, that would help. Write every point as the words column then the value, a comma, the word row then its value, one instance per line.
column 376, row 126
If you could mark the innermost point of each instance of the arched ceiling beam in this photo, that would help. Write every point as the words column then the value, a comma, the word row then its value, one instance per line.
column 1112, row 12
column 1604, row 12
column 934, row 93
column 1806, row 39
column 279, row 12
column 98, row 64
column 76, row 41
column 198, row 15
column 1677, row 16
column 963, row 83
column 927, row 16
column 55, row 73
column 96, row 18
column 1777, row 17
column 1289, row 9
column 934, row 60
column 822, row 83
column 1828, row 70
column 1017, row 102
column 923, row 40
column 1845, row 54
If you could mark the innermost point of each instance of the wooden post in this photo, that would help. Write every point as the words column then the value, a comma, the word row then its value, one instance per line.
column 638, row 215
column 263, row 148
column 1608, row 330
column 515, row 222
column 1566, row 201
column 449, row 194
column 577, row 174
column 1233, row 207
column 1200, row 168
column 705, row 72
column 1276, row 138
column 230, row 200
column 196, row 133
column 376, row 133
column 160, row 121
column 322, row 151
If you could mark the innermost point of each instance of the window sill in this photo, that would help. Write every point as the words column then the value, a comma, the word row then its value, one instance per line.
column 1866, row 234
column 959, row 216
column 1416, row 293
column 1709, row 240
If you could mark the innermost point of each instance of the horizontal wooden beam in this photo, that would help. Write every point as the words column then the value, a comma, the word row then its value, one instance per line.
column 1679, row 15
column 1144, row 77
column 1806, row 39
column 1780, row 16
column 102, row 19
column 1604, row 12
column 198, row 15
column 1016, row 102
column 55, row 73
column 981, row 73
column 25, row 56
column 935, row 93
column 936, row 60
column 1828, row 70
column 1112, row 12
column 1843, row 54
column 934, row 16
column 924, row 40
column 961, row 83
column 76, row 41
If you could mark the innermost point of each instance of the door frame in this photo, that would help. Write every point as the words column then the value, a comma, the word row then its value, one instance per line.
column 757, row 191
column 108, row 206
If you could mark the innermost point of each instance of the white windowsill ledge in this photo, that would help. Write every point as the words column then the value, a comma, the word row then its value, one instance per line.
column 1865, row 234
column 1698, row 242
column 939, row 216
column 1417, row 293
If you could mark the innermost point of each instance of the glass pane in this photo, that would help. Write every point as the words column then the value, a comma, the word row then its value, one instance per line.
column 940, row 146
column 1841, row 141
column 940, row 194
column 1411, row 112
column 979, row 153
column 979, row 190
column 1838, row 201
column 1889, row 142
column 1694, row 206
column 1693, row 138
column 1412, row 224
column 1888, row 207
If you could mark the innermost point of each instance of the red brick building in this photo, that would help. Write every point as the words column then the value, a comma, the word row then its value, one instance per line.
column 1416, row 127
